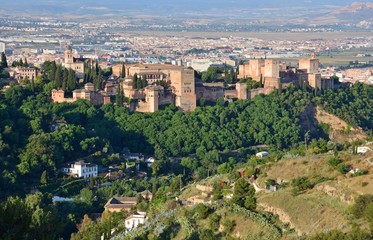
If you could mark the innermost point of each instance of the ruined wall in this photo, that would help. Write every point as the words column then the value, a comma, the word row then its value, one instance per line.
column 210, row 91
column 255, row 92
column 271, row 82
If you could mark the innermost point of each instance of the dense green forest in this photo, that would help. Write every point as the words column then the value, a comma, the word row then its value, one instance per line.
column 354, row 105
column 32, row 147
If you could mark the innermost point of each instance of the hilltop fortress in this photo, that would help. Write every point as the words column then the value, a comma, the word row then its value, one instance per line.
column 150, row 86
column 274, row 75
column 178, row 86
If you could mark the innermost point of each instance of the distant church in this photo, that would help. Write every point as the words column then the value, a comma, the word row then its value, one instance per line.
column 76, row 64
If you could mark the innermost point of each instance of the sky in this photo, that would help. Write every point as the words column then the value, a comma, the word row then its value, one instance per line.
column 165, row 7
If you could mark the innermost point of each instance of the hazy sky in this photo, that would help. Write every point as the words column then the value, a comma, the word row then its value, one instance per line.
column 166, row 7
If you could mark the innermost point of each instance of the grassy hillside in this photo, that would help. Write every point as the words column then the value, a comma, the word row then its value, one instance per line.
column 308, row 213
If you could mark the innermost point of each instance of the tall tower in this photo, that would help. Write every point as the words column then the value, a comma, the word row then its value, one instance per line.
column 152, row 97
column 311, row 65
column 256, row 67
column 272, row 68
column 69, row 59
column 241, row 89
column 183, row 83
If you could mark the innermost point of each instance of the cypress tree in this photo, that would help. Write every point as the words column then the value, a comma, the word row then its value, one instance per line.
column 139, row 83
column 52, row 74
column 65, row 79
column 21, row 62
column 119, row 100
column 261, row 80
column 3, row 63
column 144, row 82
column 97, row 68
column 43, row 178
column 26, row 63
column 92, row 75
column 58, row 76
column 97, row 81
column 134, row 81
column 32, row 84
column 71, row 81
column 91, row 182
column 123, row 72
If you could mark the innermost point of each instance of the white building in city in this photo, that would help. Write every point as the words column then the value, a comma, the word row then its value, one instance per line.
column 81, row 169
column 201, row 65
column 2, row 47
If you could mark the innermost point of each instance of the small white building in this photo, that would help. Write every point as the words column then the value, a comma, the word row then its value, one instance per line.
column 363, row 150
column 134, row 156
column 262, row 154
column 150, row 161
column 135, row 220
column 81, row 169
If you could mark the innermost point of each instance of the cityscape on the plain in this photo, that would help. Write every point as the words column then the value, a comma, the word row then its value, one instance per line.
column 190, row 119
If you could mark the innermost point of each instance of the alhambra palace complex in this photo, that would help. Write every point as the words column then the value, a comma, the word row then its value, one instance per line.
column 182, row 88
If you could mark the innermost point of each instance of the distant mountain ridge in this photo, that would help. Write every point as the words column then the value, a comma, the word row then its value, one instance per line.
column 275, row 11
column 355, row 7
column 355, row 12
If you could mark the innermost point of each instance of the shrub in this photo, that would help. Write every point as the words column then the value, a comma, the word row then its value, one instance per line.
column 364, row 184
column 343, row 168
column 207, row 234
column 334, row 161
column 361, row 203
column 229, row 225
column 360, row 172
column 201, row 211
column 301, row 184
column 214, row 221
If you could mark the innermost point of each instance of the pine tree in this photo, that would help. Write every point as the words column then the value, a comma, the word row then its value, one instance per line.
column 244, row 194
column 250, row 201
column 3, row 63
column 123, row 72
column 58, row 76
